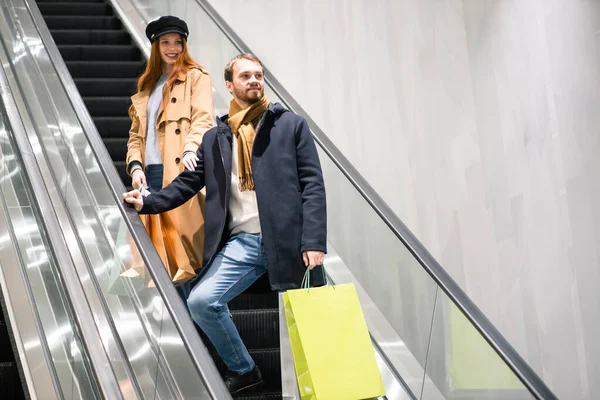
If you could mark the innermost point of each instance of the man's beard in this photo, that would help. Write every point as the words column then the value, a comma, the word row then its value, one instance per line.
column 243, row 95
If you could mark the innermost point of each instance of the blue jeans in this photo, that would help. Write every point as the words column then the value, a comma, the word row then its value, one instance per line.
column 154, row 179
column 237, row 266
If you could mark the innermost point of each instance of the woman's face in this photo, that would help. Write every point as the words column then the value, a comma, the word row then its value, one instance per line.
column 170, row 46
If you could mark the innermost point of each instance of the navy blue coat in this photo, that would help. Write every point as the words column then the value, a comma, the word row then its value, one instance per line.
column 289, row 189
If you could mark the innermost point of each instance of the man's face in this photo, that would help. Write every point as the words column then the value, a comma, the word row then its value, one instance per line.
column 248, row 82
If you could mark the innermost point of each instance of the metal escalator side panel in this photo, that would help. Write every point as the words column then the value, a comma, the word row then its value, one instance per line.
column 88, row 342
column 27, row 332
column 49, row 345
column 97, row 214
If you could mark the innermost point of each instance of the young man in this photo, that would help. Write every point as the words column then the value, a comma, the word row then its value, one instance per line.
column 265, row 209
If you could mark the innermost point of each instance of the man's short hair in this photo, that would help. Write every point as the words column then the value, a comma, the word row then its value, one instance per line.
column 245, row 56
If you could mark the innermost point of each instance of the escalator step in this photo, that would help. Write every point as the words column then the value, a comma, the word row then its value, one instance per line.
column 248, row 323
column 76, row 8
column 10, row 383
column 82, row 22
column 117, row 148
column 269, row 363
column 254, row 301
column 100, row 52
column 6, row 352
column 260, row 396
column 120, row 166
column 107, row 106
column 265, row 321
column 106, row 87
column 105, row 69
column 90, row 37
column 113, row 127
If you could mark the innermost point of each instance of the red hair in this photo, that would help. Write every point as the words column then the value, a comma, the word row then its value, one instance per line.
column 153, row 71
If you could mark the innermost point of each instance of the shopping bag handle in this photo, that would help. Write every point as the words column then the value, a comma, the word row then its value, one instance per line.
column 306, row 279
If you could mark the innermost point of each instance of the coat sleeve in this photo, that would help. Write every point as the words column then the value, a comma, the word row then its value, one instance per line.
column 135, row 142
column 180, row 190
column 202, row 115
column 312, row 187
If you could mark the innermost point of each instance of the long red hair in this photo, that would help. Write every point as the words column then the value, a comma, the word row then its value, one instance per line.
column 153, row 71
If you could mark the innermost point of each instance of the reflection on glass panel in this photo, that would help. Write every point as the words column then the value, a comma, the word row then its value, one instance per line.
column 145, row 349
column 63, row 341
column 462, row 365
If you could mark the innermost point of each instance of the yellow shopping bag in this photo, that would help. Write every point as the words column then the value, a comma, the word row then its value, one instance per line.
column 332, row 350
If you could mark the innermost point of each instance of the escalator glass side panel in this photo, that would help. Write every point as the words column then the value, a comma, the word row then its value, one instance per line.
column 61, row 339
column 461, row 364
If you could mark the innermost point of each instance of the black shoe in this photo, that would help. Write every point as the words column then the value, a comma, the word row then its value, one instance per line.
column 237, row 383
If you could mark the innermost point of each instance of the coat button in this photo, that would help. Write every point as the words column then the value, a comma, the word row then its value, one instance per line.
column 177, row 160
column 177, row 131
column 173, row 100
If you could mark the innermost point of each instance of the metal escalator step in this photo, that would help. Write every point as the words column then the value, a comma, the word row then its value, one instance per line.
column 105, row 69
column 269, row 363
column 10, row 383
column 113, row 87
column 75, row 8
column 6, row 353
column 117, row 148
column 265, row 321
column 107, row 106
column 90, row 36
column 259, row 329
column 247, row 301
column 82, row 22
column 113, row 127
column 101, row 52
column 259, row 396
column 120, row 166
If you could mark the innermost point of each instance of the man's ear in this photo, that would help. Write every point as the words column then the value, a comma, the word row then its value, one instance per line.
column 229, row 86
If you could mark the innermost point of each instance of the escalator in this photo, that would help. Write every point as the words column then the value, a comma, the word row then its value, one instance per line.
column 117, row 338
column 430, row 340
column 44, row 352
column 105, row 62
column 11, row 382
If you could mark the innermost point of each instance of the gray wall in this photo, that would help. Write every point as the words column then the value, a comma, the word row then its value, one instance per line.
column 477, row 121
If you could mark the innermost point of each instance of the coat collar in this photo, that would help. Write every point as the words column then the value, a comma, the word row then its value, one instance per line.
column 140, row 102
column 140, row 99
column 182, row 76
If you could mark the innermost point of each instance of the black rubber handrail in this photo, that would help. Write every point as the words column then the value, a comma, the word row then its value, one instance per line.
column 199, row 355
column 509, row 355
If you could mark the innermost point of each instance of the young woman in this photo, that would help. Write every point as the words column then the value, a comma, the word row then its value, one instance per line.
column 171, row 111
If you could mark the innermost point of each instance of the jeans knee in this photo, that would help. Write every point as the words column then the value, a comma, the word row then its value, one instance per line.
column 202, row 305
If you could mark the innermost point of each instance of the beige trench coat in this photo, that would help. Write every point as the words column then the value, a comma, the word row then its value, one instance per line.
column 189, row 115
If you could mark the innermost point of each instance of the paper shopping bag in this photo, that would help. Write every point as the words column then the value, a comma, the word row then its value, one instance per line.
column 333, row 354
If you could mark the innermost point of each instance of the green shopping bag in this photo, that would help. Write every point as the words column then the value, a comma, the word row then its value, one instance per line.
column 331, row 346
